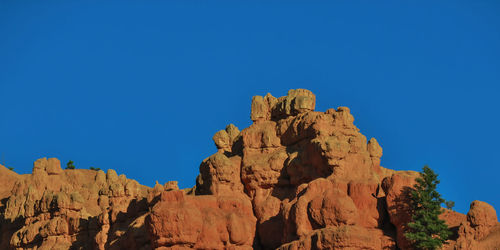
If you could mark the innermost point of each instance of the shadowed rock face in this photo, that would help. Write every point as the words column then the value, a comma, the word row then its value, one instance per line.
column 295, row 179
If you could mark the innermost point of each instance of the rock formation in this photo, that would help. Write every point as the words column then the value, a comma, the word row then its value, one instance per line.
column 58, row 209
column 295, row 179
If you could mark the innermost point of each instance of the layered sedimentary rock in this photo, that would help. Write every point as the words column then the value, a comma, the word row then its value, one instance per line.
column 294, row 179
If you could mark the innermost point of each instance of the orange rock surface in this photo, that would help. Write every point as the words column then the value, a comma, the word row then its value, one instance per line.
column 295, row 179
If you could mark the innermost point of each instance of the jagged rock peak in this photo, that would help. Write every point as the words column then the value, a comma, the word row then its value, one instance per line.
column 272, row 108
column 51, row 166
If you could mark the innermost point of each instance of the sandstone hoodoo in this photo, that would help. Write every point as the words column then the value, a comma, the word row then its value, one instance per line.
column 295, row 179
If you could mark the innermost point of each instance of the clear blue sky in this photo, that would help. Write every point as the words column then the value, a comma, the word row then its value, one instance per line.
column 142, row 86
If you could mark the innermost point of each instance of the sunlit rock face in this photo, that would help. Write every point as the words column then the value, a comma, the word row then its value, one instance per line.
column 54, row 208
column 295, row 179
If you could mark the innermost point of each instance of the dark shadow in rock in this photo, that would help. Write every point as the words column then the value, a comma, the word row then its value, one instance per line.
column 87, row 230
column 454, row 233
column 123, row 234
column 271, row 227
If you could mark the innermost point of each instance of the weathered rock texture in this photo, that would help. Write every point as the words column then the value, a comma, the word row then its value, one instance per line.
column 295, row 179
column 58, row 209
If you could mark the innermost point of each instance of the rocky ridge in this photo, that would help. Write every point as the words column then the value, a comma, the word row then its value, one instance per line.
column 295, row 179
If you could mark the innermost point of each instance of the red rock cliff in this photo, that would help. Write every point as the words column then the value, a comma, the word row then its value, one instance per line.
column 295, row 179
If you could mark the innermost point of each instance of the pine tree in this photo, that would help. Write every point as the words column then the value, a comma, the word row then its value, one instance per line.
column 426, row 230
column 449, row 204
column 70, row 165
